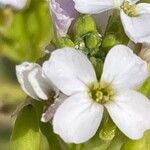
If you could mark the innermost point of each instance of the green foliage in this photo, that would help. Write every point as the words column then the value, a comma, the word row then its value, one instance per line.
column 26, row 135
column 145, row 88
column 142, row 144
column 24, row 34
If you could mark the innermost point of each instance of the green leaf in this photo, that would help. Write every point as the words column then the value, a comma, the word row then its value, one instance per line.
column 26, row 135
column 55, row 143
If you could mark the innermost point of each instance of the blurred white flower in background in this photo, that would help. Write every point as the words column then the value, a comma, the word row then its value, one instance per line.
column 134, row 17
column 17, row 4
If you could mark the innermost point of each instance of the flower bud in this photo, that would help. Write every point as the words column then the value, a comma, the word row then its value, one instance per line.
column 79, row 43
column 83, row 25
column 108, row 130
column 63, row 42
column 93, row 40
column 109, row 41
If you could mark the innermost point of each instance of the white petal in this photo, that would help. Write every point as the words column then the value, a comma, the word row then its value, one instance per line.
column 33, row 81
column 130, row 111
column 95, row 6
column 18, row 4
column 49, row 113
column 70, row 70
column 137, row 28
column 123, row 68
column 77, row 119
column 143, row 8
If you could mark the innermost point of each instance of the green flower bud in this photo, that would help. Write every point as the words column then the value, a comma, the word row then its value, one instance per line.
column 108, row 130
column 93, row 40
column 79, row 43
column 63, row 42
column 109, row 41
column 83, row 25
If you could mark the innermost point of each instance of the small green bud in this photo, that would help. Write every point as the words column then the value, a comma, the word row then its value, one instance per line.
column 109, row 41
column 93, row 40
column 108, row 130
column 79, row 43
column 83, row 25
column 63, row 42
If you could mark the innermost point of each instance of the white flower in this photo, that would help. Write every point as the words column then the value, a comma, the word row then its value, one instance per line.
column 33, row 81
column 78, row 118
column 18, row 4
column 134, row 17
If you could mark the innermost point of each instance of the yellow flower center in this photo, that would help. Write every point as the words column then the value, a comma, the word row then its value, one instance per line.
column 129, row 9
column 101, row 92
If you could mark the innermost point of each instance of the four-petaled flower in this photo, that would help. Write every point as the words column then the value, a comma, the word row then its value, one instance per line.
column 78, row 118
column 134, row 17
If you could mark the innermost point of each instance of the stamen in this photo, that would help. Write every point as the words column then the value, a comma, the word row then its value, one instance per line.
column 129, row 9
column 101, row 92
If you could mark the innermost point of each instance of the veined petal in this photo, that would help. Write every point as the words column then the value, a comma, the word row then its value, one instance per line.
column 95, row 6
column 49, row 113
column 130, row 111
column 77, row 119
column 143, row 8
column 18, row 4
column 136, row 28
column 63, row 14
column 70, row 70
column 124, row 69
column 33, row 81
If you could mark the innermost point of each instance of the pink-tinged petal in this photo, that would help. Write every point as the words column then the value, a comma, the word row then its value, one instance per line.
column 70, row 70
column 77, row 119
column 49, row 113
column 63, row 14
column 130, row 111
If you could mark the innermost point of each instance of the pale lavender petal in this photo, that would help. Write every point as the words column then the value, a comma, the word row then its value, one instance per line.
column 63, row 14
column 49, row 113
